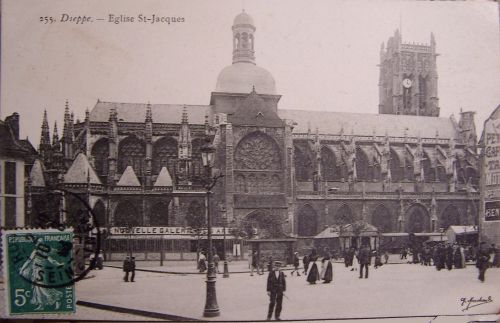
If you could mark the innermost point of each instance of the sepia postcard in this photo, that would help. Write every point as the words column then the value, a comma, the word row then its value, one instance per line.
column 250, row 161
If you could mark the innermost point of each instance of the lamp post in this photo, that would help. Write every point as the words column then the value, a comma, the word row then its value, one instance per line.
column 207, row 154
column 224, row 219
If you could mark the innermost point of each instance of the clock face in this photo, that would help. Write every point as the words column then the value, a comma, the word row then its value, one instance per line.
column 407, row 83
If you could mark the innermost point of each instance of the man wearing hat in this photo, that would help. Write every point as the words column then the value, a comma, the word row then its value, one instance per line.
column 276, row 286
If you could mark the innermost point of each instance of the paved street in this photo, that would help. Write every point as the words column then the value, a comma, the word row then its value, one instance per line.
column 391, row 291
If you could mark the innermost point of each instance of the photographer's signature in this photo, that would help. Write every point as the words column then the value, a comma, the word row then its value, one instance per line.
column 468, row 303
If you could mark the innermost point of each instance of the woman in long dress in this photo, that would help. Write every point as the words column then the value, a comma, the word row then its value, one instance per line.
column 328, row 275
column 313, row 275
column 323, row 268
column 355, row 262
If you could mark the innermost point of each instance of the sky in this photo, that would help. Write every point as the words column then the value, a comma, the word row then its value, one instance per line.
column 322, row 54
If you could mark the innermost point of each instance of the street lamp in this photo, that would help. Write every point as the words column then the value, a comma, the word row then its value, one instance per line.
column 224, row 219
column 207, row 155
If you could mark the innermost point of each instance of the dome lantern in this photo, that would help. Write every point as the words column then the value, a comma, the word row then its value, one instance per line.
column 243, row 39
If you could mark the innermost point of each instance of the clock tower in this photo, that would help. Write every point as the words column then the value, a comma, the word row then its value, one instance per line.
column 408, row 78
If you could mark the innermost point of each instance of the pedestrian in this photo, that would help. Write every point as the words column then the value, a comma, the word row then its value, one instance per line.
column 323, row 268
column 354, row 260
column 276, row 286
column 386, row 257
column 202, row 264
column 328, row 275
column 296, row 263
column 495, row 255
column 457, row 257
column 364, row 260
column 378, row 260
column 216, row 262
column 313, row 275
column 483, row 257
column 132, row 269
column 255, row 263
column 449, row 257
column 126, row 268
column 305, row 262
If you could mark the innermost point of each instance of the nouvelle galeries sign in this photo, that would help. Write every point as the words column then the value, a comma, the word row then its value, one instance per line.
column 174, row 231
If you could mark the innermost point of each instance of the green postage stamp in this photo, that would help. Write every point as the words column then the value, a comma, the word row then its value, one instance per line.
column 38, row 270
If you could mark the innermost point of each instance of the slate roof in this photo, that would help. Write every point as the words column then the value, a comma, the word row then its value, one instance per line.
column 129, row 178
column 12, row 147
column 162, row 113
column 254, row 112
column 79, row 170
column 164, row 178
column 463, row 229
column 36, row 174
column 366, row 124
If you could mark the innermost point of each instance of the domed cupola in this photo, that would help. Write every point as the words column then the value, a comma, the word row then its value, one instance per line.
column 244, row 75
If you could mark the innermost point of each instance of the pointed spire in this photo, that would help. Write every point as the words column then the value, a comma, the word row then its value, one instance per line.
column 113, row 114
column 67, row 121
column 81, row 172
column 128, row 178
column 184, row 116
column 164, row 178
column 45, row 134
column 36, row 175
column 55, row 135
column 149, row 113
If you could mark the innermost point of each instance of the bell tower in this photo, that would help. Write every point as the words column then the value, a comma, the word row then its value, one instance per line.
column 408, row 78
column 243, row 39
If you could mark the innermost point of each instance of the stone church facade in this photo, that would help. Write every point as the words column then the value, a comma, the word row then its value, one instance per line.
column 287, row 173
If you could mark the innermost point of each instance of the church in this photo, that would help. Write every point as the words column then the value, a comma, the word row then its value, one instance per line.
column 289, row 175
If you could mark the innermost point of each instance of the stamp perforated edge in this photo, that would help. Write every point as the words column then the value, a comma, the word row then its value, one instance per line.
column 5, row 269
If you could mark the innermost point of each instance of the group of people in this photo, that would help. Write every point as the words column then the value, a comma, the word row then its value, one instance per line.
column 129, row 268
column 311, row 268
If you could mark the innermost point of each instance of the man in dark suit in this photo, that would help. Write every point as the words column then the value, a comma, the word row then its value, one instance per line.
column 483, row 258
column 364, row 260
column 276, row 286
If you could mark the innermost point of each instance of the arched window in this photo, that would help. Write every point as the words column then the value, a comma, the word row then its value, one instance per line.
column 195, row 217
column 159, row 214
column 240, row 183
column 275, row 185
column 344, row 215
column 362, row 165
column 252, row 184
column 197, row 165
column 164, row 155
column 100, row 154
column 397, row 167
column 450, row 216
column 409, row 170
column 328, row 165
column 131, row 152
column 417, row 219
column 307, row 221
column 429, row 173
column 99, row 213
column 381, row 218
column 126, row 215
column 441, row 172
column 471, row 176
column 303, row 165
